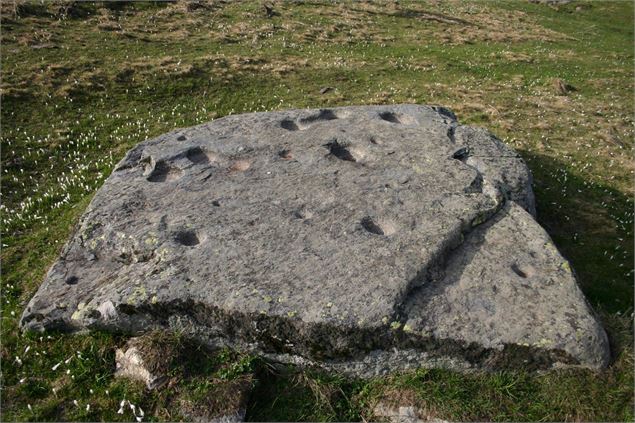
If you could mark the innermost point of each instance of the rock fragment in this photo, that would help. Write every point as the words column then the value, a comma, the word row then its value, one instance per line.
column 146, row 359
column 560, row 87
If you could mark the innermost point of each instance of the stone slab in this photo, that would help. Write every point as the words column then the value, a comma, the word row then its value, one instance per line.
column 326, row 236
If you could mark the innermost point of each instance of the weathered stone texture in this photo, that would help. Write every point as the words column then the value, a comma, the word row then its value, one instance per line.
column 365, row 239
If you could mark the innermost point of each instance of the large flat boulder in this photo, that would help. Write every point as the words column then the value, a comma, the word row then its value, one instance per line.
column 364, row 239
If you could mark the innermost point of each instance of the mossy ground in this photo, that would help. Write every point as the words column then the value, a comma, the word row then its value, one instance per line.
column 82, row 84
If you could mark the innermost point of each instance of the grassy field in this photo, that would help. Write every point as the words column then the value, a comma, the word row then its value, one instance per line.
column 82, row 83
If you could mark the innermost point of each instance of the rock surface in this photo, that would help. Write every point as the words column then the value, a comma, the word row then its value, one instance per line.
column 402, row 414
column 363, row 239
column 147, row 365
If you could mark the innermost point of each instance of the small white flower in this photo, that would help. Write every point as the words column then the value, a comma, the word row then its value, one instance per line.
column 87, row 407
column 29, row 407
column 56, row 366
column 76, row 403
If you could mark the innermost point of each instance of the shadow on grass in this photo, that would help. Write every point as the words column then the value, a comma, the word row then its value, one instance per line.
column 286, row 393
column 585, row 219
column 592, row 225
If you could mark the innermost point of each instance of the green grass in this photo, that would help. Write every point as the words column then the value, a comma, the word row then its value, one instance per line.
column 80, row 89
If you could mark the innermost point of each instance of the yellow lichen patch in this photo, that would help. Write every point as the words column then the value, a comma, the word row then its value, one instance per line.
column 79, row 313
column 162, row 254
column 565, row 266
column 395, row 325
column 544, row 342
column 138, row 295
column 151, row 240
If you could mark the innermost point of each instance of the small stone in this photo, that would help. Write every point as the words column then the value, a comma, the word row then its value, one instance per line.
column 395, row 411
column 561, row 87
column 269, row 11
column 325, row 90
column 146, row 359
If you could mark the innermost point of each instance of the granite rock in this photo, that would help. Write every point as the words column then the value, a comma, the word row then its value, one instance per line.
column 363, row 239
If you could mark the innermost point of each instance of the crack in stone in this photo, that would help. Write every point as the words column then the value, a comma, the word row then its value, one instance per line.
column 437, row 266
column 450, row 133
